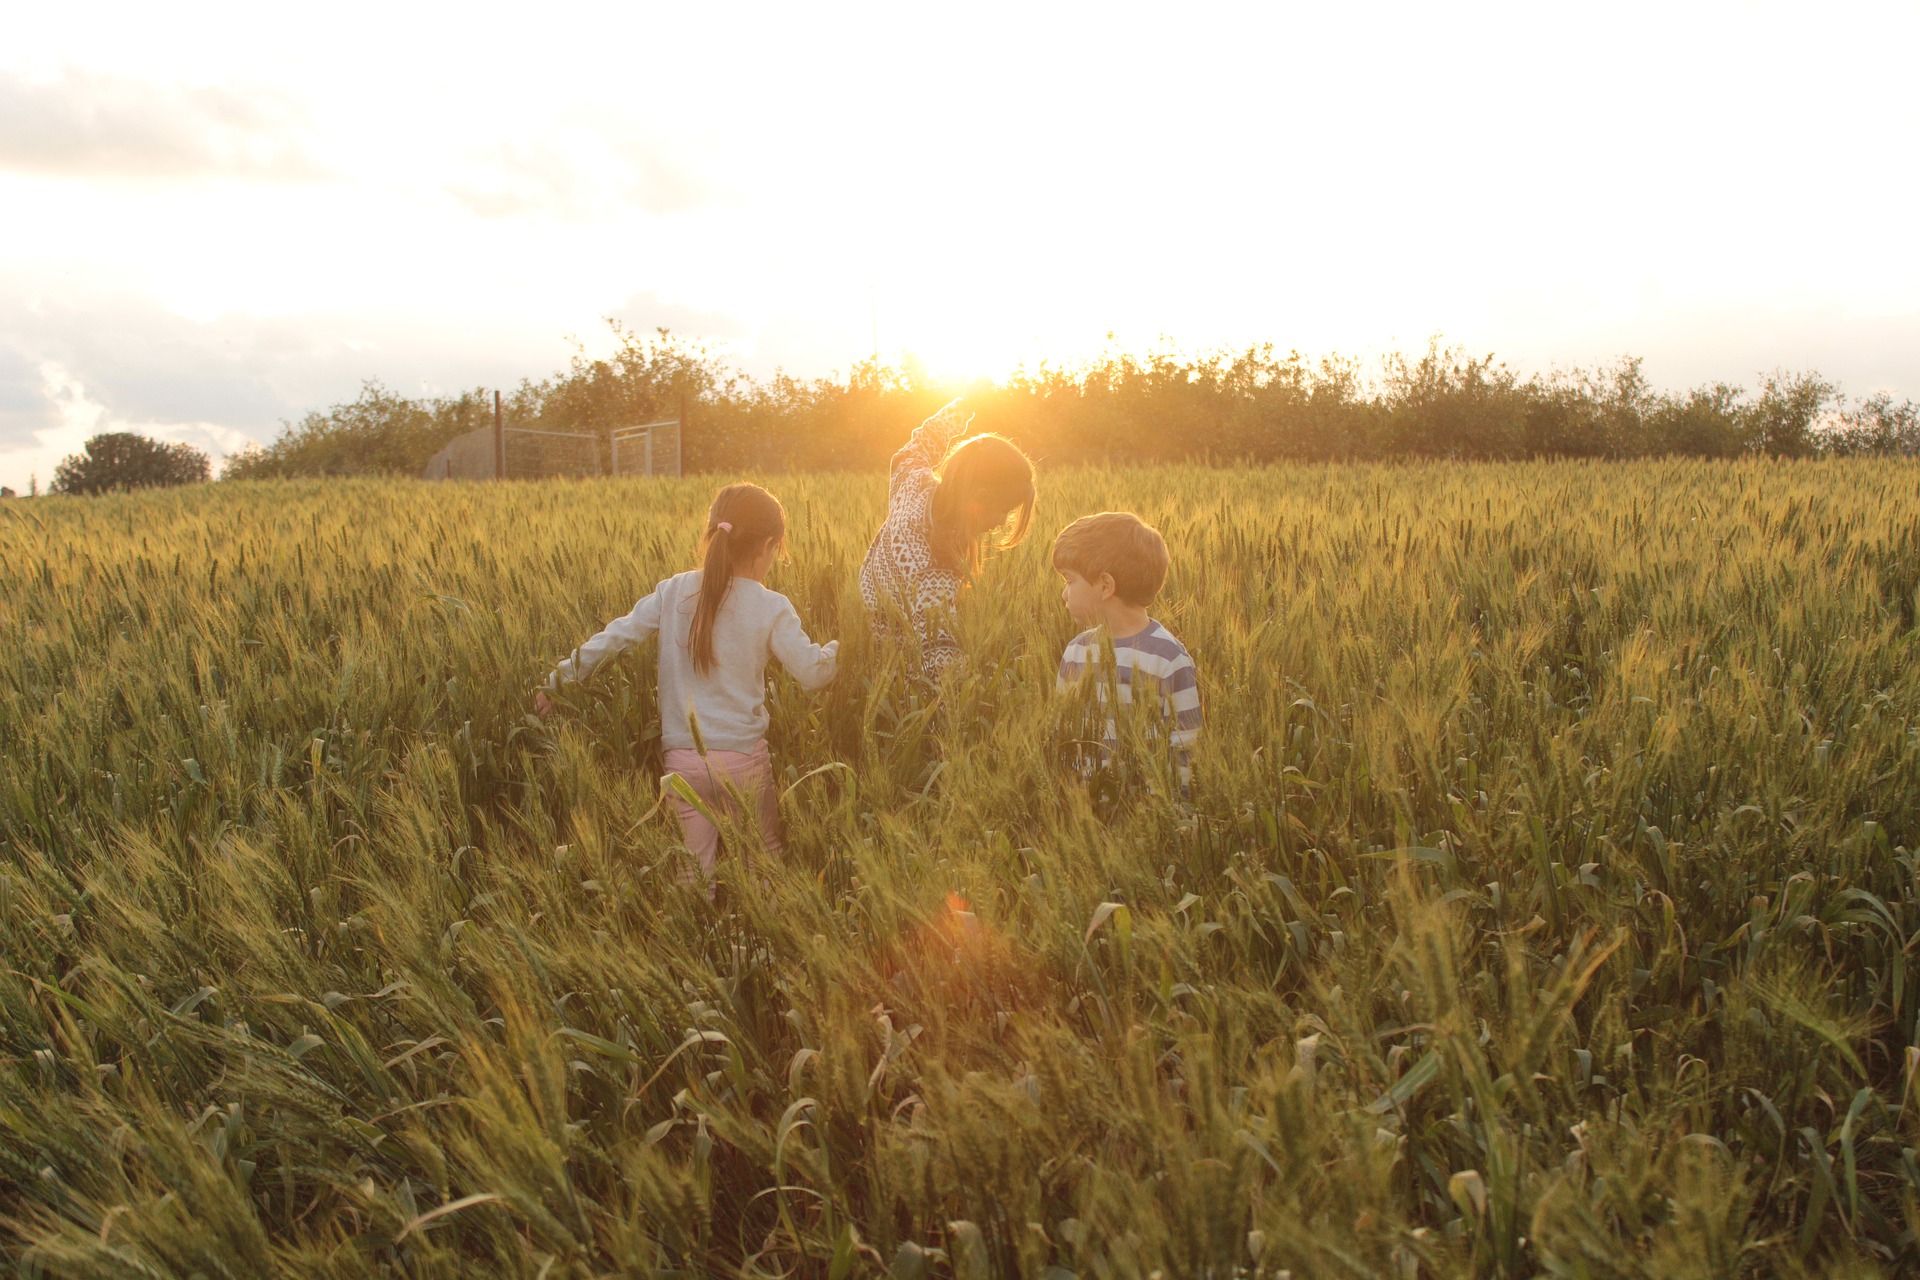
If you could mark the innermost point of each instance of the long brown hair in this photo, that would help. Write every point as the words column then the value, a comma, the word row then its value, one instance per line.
column 986, row 487
column 739, row 523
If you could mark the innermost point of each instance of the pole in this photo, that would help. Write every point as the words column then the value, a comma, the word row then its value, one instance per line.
column 680, row 436
column 499, row 441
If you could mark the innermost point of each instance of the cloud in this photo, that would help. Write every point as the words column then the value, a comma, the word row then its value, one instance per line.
column 84, row 125
column 23, row 409
column 582, row 170
column 642, row 313
column 142, row 362
column 73, row 368
column 69, row 417
column 103, row 360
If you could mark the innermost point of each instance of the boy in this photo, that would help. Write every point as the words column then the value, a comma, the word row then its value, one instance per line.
column 1114, row 565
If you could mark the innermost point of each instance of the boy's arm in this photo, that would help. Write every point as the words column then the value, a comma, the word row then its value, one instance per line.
column 813, row 665
column 1073, row 664
column 1181, row 689
column 929, row 442
column 622, row 633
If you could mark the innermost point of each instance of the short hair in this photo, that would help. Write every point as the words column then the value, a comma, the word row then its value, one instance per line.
column 1118, row 543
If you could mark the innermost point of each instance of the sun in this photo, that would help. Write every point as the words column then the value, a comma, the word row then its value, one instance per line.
column 952, row 339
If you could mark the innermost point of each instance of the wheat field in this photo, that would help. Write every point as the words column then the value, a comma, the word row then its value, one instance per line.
column 1546, row 904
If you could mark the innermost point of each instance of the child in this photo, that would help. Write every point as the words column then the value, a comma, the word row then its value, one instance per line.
column 718, row 624
column 1113, row 565
column 942, row 503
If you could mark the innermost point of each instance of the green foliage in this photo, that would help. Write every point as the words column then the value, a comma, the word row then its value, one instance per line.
column 1788, row 411
column 1878, row 426
column 123, row 460
column 1253, row 405
column 378, row 433
column 1546, row 904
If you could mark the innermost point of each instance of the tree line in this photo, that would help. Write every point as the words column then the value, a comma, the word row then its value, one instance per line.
column 1256, row 405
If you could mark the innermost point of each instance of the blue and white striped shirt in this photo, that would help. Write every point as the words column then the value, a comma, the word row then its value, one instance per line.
column 1154, row 660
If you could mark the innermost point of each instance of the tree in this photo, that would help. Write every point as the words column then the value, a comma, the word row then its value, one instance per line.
column 1876, row 426
column 1707, row 422
column 6, row 492
column 123, row 460
column 380, row 432
column 1787, row 410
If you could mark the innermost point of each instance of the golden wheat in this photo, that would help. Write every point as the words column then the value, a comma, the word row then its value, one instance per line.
column 1547, row 903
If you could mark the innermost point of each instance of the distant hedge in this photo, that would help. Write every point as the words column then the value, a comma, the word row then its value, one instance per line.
column 1255, row 406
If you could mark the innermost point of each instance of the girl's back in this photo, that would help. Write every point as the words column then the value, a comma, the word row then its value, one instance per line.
column 717, row 625
column 752, row 623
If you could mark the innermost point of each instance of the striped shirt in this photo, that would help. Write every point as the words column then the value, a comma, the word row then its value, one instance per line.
column 1155, row 661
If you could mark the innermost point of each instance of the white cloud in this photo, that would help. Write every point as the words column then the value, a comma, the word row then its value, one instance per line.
column 74, row 417
column 582, row 169
column 82, row 125
column 1705, row 185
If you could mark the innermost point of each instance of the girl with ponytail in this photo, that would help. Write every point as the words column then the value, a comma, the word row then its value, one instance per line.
column 718, row 625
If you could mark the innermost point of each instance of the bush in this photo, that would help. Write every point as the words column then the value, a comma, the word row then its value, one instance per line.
column 1789, row 407
column 123, row 460
column 1876, row 426
column 1253, row 406
column 380, row 432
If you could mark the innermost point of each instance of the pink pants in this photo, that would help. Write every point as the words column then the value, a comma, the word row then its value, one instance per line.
column 716, row 778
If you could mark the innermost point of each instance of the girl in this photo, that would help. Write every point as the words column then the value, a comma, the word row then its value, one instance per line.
column 717, row 626
column 943, row 502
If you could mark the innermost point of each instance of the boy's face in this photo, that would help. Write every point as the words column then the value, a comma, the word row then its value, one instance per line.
column 1084, row 599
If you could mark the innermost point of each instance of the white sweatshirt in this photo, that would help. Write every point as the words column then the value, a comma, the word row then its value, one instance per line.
column 731, row 699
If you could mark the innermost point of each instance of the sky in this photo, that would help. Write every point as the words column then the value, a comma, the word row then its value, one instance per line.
column 215, row 218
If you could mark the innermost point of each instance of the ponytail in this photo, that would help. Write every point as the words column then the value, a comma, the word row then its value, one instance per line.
column 716, row 575
column 741, row 521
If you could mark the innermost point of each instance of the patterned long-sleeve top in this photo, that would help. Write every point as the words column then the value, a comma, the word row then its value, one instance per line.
column 900, row 581
column 1156, row 662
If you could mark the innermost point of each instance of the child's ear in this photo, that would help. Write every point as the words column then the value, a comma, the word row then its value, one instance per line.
column 1107, row 589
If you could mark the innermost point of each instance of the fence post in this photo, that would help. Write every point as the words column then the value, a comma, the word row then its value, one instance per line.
column 680, row 435
column 499, row 442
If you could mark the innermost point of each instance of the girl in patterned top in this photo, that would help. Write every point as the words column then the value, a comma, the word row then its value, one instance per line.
column 946, row 504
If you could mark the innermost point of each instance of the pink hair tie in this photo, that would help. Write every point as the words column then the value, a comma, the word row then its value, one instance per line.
column 725, row 524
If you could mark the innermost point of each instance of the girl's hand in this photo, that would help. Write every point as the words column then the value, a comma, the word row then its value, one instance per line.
column 542, row 704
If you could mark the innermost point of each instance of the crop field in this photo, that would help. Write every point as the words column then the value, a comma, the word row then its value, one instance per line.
column 1546, row 903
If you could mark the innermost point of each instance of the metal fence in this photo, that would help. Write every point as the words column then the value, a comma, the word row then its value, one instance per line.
column 466, row 457
column 648, row 449
column 530, row 454
column 501, row 452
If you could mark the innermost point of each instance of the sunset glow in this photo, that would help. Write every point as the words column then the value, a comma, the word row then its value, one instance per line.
column 209, row 236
